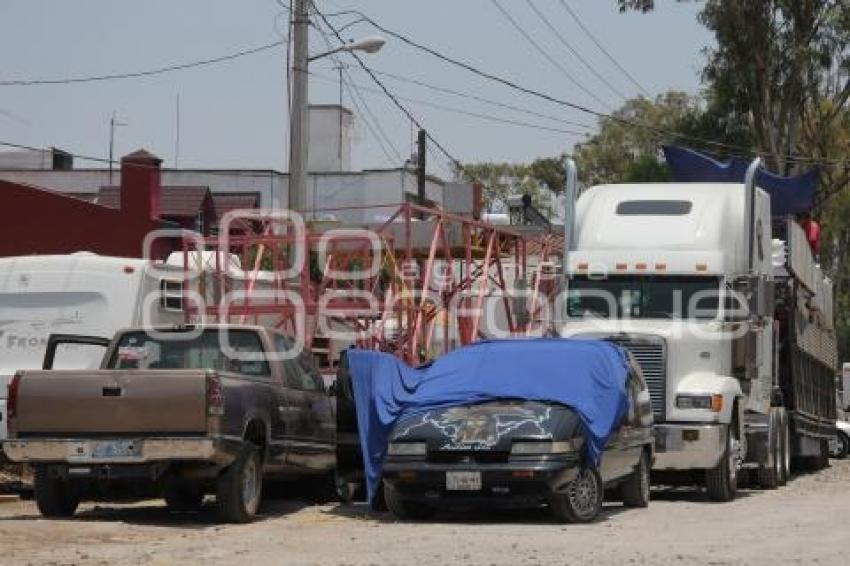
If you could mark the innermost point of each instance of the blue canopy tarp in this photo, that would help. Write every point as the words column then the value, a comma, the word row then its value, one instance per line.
column 586, row 375
column 788, row 195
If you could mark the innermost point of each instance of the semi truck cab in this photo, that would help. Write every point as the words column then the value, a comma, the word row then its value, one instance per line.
column 684, row 276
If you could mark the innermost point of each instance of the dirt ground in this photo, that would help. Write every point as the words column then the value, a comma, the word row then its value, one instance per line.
column 802, row 523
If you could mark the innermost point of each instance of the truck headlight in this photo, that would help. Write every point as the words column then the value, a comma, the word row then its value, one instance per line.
column 706, row 402
column 407, row 449
column 545, row 447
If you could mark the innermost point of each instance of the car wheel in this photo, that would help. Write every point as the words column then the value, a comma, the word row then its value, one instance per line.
column 182, row 498
column 839, row 446
column 722, row 480
column 635, row 490
column 239, row 488
column 405, row 509
column 55, row 497
column 582, row 500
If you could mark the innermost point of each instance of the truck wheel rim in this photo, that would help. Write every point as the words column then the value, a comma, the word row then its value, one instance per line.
column 733, row 460
column 583, row 494
column 250, row 485
column 644, row 480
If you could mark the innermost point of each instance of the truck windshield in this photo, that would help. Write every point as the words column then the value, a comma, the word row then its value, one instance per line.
column 239, row 351
column 644, row 297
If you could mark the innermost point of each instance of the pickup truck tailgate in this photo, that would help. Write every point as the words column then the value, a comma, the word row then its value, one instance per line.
column 73, row 402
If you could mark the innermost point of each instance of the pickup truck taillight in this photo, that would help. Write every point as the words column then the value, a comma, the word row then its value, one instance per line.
column 215, row 396
column 12, row 400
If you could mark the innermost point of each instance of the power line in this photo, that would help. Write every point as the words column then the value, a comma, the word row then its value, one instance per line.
column 741, row 150
column 137, row 74
column 488, row 117
column 377, row 131
column 573, row 50
column 601, row 48
column 546, row 54
column 387, row 92
column 469, row 96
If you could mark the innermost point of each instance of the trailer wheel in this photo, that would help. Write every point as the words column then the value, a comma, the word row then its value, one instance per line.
column 785, row 447
column 55, row 497
column 239, row 488
column 722, row 480
column 839, row 447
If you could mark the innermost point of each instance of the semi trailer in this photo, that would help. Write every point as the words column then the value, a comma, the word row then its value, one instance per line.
column 726, row 310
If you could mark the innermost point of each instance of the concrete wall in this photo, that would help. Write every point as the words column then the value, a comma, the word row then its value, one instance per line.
column 330, row 139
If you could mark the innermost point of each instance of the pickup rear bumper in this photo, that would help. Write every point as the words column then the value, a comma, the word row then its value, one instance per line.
column 143, row 450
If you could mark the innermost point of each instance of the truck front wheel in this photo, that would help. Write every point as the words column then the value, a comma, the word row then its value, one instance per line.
column 55, row 497
column 722, row 480
column 239, row 488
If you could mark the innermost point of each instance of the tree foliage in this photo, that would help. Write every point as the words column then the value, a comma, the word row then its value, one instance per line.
column 781, row 70
column 502, row 180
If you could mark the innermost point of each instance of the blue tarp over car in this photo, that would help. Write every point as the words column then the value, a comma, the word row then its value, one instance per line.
column 587, row 375
column 788, row 195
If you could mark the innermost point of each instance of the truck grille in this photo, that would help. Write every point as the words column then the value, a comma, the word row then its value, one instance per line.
column 651, row 354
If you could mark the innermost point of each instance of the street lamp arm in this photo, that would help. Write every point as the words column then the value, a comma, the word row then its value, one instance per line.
column 366, row 45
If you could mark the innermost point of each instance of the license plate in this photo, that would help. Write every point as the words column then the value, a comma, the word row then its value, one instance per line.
column 105, row 450
column 463, row 481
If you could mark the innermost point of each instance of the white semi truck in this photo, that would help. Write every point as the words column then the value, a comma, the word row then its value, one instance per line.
column 728, row 314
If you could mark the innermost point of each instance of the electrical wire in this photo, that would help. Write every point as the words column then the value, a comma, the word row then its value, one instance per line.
column 601, row 48
column 573, row 50
column 377, row 130
column 731, row 149
column 437, row 106
column 387, row 92
column 546, row 55
column 148, row 73
column 475, row 97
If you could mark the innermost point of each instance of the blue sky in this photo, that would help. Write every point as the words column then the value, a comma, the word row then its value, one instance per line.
column 234, row 114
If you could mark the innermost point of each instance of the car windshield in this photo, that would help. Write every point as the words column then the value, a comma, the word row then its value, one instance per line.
column 644, row 297
column 238, row 351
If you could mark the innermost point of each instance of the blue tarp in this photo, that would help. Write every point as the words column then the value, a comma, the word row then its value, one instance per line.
column 788, row 195
column 587, row 375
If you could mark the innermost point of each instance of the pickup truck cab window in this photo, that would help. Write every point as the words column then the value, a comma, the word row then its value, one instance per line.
column 245, row 354
column 296, row 370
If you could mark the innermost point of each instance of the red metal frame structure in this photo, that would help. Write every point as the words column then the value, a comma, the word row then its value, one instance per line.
column 430, row 277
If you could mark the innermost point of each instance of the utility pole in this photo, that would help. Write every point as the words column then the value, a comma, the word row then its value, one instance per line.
column 112, row 124
column 298, row 132
column 421, row 154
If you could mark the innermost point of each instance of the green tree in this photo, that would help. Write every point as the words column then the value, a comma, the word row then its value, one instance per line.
column 503, row 180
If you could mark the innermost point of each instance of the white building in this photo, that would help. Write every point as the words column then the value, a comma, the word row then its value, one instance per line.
column 331, row 183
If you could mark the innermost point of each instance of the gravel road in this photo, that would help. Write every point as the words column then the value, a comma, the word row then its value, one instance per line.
column 802, row 523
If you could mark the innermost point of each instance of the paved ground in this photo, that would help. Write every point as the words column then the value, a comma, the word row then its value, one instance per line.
column 803, row 523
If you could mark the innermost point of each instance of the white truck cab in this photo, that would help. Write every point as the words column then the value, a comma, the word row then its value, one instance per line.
column 684, row 276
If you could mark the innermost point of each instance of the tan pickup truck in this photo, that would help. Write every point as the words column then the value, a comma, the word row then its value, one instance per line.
column 180, row 411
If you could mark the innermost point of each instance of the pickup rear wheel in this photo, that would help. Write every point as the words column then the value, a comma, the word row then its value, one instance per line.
column 582, row 501
column 55, row 497
column 239, row 488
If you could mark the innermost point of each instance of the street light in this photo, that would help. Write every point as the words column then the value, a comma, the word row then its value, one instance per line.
column 298, row 125
column 368, row 45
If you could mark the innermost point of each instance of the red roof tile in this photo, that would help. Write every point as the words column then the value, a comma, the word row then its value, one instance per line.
column 176, row 200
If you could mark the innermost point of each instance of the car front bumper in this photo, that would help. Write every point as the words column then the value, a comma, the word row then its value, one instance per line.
column 527, row 479
column 150, row 450
column 688, row 446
